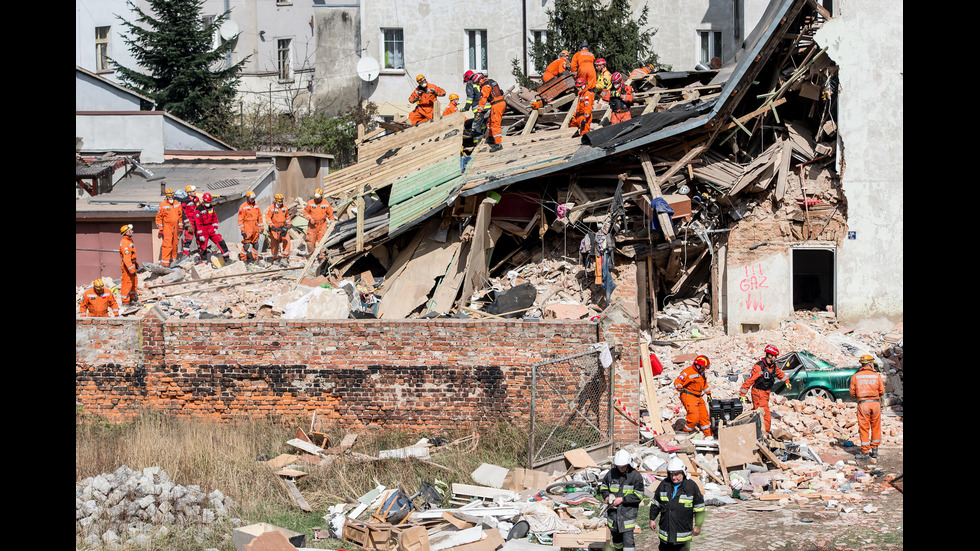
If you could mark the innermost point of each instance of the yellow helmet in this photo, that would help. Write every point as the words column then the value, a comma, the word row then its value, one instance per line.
column 125, row 228
column 169, row 192
column 453, row 97
column 190, row 189
column 98, row 284
column 420, row 78
column 318, row 193
column 867, row 359
column 564, row 53
column 250, row 194
column 279, row 197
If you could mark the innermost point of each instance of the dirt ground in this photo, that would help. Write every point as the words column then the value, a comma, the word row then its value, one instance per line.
column 812, row 527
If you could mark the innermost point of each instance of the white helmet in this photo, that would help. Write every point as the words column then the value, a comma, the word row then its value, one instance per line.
column 675, row 465
column 621, row 458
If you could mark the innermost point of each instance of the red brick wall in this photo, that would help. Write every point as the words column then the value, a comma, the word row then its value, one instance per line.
column 405, row 375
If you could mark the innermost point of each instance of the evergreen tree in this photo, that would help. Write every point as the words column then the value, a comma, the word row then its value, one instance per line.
column 611, row 31
column 182, row 71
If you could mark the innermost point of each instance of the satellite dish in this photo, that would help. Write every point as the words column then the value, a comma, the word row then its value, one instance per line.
column 228, row 29
column 368, row 68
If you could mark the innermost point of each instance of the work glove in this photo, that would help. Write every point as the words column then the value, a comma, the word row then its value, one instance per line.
column 708, row 394
column 742, row 398
column 244, row 235
column 160, row 233
column 788, row 385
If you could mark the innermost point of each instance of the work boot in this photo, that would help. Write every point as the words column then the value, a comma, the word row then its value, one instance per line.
column 862, row 457
column 874, row 453
column 495, row 147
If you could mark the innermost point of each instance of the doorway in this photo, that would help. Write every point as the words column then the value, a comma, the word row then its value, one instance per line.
column 814, row 281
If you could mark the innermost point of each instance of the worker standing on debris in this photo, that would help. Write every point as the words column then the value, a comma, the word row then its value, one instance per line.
column 453, row 105
column 169, row 215
column 490, row 92
column 868, row 388
column 206, row 222
column 583, row 65
column 692, row 383
column 319, row 213
column 556, row 67
column 603, row 78
column 189, row 203
column 97, row 303
column 620, row 98
column 622, row 490
column 680, row 505
column 277, row 216
column 583, row 109
column 129, row 266
column 764, row 375
column 424, row 95
column 472, row 90
column 250, row 224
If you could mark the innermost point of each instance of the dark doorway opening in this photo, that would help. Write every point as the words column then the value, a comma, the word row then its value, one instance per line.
column 813, row 279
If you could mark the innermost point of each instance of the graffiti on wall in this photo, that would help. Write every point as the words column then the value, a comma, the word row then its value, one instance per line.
column 753, row 285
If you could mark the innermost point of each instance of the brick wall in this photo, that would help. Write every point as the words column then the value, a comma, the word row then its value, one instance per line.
column 408, row 375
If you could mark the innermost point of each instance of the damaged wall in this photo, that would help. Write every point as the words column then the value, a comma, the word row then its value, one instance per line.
column 399, row 375
column 871, row 260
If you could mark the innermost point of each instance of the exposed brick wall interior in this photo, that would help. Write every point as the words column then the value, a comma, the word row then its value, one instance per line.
column 408, row 375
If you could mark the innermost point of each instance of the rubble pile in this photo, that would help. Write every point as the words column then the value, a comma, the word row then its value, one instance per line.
column 133, row 507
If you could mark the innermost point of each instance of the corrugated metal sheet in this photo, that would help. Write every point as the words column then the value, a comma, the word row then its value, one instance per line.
column 414, row 196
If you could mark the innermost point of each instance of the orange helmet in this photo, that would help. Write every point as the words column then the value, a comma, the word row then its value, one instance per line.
column 453, row 97
column 702, row 361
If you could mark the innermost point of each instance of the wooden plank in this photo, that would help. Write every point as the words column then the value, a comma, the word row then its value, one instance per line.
column 767, row 453
column 579, row 459
column 584, row 539
column 664, row 218
column 652, row 104
column 360, row 219
column 688, row 271
column 531, row 120
column 479, row 491
column 476, row 262
column 785, row 157
column 570, row 114
column 297, row 497
column 305, row 446
column 649, row 388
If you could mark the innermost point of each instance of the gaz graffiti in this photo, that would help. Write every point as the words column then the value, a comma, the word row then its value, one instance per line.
column 752, row 285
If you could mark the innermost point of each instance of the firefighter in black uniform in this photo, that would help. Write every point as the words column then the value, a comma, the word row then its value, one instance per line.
column 679, row 504
column 622, row 490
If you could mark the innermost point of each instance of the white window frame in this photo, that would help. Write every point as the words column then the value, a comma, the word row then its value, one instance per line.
column 102, row 51
column 216, row 39
column 716, row 44
column 475, row 43
column 537, row 35
column 289, row 74
column 384, row 51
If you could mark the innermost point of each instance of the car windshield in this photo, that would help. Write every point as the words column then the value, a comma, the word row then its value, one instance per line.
column 815, row 362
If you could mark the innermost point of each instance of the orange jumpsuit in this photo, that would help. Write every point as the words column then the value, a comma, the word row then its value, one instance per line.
column 453, row 107
column 583, row 65
column 319, row 214
column 169, row 219
column 640, row 72
column 491, row 92
column 278, row 218
column 250, row 224
column 127, row 265
column 555, row 68
column 692, row 385
column 98, row 306
column 619, row 100
column 425, row 98
column 761, row 380
column 583, row 111
column 868, row 388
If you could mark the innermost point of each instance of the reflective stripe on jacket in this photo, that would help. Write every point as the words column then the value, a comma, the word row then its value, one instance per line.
column 676, row 510
column 629, row 486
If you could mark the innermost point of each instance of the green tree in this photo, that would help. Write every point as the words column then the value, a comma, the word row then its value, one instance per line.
column 609, row 28
column 180, row 69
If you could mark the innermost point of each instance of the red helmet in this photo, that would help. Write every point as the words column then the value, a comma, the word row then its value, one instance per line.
column 617, row 78
column 702, row 361
column 467, row 75
column 206, row 198
column 580, row 82
column 772, row 350
column 600, row 61
column 479, row 78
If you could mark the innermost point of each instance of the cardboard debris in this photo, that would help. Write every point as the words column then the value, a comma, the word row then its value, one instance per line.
column 242, row 536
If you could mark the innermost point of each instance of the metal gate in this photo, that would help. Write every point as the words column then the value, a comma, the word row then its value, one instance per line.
column 571, row 407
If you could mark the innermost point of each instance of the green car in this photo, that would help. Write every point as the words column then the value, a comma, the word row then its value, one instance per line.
column 812, row 376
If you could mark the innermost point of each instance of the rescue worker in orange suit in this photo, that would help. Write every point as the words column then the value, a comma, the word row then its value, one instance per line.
column 206, row 222
column 129, row 266
column 583, row 109
column 764, row 375
column 277, row 216
column 169, row 215
column 490, row 92
column 189, row 204
column 868, row 388
column 619, row 96
column 97, row 303
column 250, row 225
column 641, row 72
column 693, row 386
column 583, row 65
column 603, row 79
column 453, row 105
column 424, row 95
column 556, row 67
column 319, row 213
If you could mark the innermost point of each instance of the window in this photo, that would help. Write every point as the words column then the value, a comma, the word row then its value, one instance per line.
column 208, row 20
column 102, row 49
column 285, row 58
column 710, row 46
column 538, row 39
column 476, row 49
column 394, row 44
